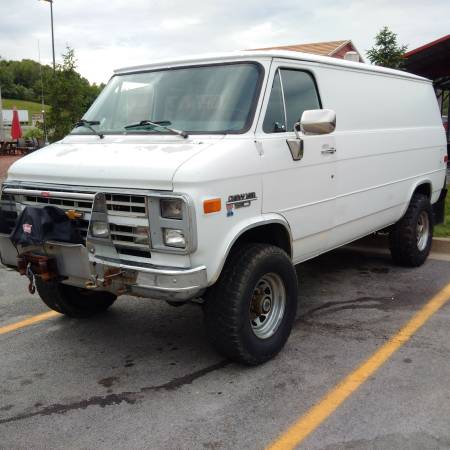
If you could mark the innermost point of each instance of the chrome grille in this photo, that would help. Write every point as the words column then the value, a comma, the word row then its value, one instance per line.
column 125, row 214
column 117, row 204
column 124, row 238
column 126, row 204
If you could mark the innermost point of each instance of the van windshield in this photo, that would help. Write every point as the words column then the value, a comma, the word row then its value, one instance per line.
column 202, row 99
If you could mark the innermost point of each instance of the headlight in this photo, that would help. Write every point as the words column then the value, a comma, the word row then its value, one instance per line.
column 171, row 208
column 100, row 229
column 174, row 238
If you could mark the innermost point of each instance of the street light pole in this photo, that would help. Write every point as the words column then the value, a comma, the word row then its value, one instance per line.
column 53, row 36
column 42, row 96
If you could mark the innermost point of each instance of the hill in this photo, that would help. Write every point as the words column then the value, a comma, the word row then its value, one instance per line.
column 32, row 107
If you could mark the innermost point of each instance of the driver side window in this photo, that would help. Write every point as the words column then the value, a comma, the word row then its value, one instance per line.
column 293, row 91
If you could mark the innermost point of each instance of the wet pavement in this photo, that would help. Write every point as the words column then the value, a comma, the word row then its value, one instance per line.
column 144, row 376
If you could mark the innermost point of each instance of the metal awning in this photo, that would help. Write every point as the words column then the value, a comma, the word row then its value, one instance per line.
column 432, row 61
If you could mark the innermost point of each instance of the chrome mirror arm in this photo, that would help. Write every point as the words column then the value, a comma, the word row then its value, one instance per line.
column 297, row 128
column 296, row 145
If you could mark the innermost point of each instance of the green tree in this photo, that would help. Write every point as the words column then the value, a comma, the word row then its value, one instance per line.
column 386, row 51
column 6, row 78
column 68, row 94
column 21, row 80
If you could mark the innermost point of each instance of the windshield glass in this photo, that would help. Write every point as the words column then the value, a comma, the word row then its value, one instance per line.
column 204, row 99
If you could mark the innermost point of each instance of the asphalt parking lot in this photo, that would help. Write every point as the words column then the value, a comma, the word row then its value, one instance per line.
column 144, row 376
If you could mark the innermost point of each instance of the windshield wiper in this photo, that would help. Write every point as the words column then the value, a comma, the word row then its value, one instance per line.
column 88, row 124
column 160, row 123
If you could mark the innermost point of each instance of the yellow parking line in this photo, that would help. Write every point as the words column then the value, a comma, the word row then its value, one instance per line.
column 307, row 423
column 28, row 322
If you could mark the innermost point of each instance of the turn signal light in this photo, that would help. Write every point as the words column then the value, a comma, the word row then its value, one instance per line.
column 212, row 205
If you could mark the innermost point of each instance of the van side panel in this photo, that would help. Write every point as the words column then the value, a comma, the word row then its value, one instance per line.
column 389, row 140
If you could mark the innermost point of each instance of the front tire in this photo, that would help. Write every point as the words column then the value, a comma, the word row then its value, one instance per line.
column 250, row 310
column 411, row 237
column 73, row 301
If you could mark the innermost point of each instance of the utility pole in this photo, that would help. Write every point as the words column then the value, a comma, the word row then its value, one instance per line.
column 42, row 97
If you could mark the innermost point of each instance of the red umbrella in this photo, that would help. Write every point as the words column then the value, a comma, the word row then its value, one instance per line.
column 16, row 131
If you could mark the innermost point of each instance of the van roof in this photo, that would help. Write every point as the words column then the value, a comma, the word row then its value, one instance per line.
column 265, row 54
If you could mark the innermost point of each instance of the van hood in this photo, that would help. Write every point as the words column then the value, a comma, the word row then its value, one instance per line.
column 139, row 162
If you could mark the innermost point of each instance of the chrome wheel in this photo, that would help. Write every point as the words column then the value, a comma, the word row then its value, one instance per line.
column 423, row 230
column 267, row 305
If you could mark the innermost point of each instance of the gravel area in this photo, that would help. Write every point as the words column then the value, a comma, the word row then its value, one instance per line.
column 5, row 162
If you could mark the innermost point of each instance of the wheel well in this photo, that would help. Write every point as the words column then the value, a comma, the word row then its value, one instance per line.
column 272, row 233
column 424, row 189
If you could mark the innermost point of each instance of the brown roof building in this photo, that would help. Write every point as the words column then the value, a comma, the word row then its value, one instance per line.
column 335, row 49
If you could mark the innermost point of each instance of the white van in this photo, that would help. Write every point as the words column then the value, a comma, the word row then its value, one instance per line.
column 208, row 179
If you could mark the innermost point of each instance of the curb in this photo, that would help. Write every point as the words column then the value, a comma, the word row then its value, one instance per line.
column 441, row 245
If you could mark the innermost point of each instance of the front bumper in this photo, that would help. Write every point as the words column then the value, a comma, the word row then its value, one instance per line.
column 169, row 284
column 75, row 269
column 102, row 263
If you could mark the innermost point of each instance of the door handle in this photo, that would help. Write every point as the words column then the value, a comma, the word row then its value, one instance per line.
column 328, row 151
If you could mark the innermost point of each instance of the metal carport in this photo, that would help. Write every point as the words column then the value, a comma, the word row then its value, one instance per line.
column 432, row 61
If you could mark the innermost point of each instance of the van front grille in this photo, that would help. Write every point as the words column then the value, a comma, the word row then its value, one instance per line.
column 126, row 204
column 127, row 216
column 117, row 204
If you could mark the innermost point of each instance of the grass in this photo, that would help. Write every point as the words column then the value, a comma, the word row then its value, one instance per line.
column 443, row 230
column 32, row 107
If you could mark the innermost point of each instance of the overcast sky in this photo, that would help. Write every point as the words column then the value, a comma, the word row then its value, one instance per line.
column 107, row 34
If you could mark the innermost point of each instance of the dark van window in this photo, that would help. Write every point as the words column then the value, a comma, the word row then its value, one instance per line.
column 274, row 122
column 300, row 94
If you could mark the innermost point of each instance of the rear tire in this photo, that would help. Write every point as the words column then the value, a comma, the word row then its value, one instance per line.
column 250, row 310
column 73, row 301
column 411, row 237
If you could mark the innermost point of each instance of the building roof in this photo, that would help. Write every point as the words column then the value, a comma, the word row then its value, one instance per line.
column 336, row 49
column 431, row 60
column 248, row 55
column 317, row 48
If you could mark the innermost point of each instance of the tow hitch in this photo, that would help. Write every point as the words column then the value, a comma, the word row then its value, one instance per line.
column 32, row 265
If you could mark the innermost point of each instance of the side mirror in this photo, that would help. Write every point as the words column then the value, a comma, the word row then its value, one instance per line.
column 316, row 121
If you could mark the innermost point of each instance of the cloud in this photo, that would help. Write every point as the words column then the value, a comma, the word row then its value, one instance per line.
column 179, row 23
column 262, row 35
column 108, row 34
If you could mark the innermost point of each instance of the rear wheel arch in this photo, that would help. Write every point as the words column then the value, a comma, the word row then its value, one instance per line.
column 424, row 188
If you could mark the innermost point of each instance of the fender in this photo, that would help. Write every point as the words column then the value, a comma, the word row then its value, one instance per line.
column 236, row 232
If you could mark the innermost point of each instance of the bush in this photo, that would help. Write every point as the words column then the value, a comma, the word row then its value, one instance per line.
column 34, row 133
